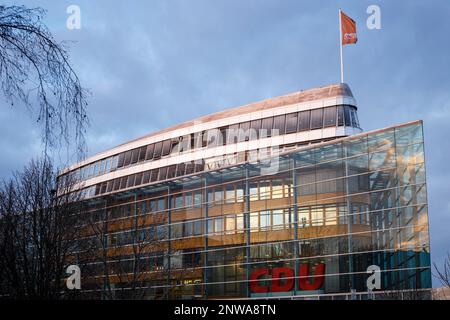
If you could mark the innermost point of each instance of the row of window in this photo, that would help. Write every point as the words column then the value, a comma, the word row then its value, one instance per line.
column 282, row 124
column 265, row 220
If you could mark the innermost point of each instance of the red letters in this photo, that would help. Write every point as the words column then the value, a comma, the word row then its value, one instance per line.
column 254, row 285
column 277, row 274
column 283, row 279
column 319, row 277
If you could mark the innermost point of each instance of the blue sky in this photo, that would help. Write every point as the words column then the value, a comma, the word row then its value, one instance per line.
column 151, row 64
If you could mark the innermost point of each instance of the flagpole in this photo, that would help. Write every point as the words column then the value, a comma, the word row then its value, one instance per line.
column 340, row 46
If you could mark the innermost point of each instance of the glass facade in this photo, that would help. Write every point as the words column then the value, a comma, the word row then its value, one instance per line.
column 310, row 228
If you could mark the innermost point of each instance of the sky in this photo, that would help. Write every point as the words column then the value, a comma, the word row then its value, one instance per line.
column 152, row 64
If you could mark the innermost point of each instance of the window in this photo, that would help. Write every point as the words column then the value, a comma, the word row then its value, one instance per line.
column 330, row 215
column 355, row 122
column 303, row 217
column 316, row 118
column 218, row 195
column 254, row 221
column 188, row 200
column 146, row 177
column 240, row 222
column 291, row 122
column 218, row 224
column 348, row 120
column 233, row 134
column 138, row 179
column 264, row 219
column 244, row 131
column 317, row 216
column 175, row 146
column 116, row 184
column 162, row 173
column 198, row 230
column 127, row 159
column 161, row 204
column 253, row 191
column 157, row 150
column 142, row 153
column 154, row 175
column 239, row 194
column 211, row 226
column 230, row 224
column 149, row 153
column 266, row 127
column 96, row 169
column 303, row 120
column 230, row 194
column 180, row 169
column 123, row 182
column 329, row 117
column 189, row 168
column 277, row 219
column 178, row 201
column 264, row 190
column 166, row 147
column 134, row 156
column 340, row 116
column 255, row 126
column 197, row 199
column 278, row 124
column 130, row 181
column 171, row 171
column 277, row 189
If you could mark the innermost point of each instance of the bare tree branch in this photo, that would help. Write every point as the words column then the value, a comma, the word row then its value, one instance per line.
column 35, row 70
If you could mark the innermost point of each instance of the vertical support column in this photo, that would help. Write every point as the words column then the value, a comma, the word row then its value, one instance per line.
column 349, row 220
column 205, row 259
column 105, row 248
column 169, row 233
column 295, row 208
column 247, row 229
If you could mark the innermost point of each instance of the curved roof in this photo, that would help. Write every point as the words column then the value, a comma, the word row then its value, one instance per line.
column 330, row 91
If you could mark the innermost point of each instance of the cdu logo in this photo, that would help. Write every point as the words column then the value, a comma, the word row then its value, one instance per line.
column 74, row 280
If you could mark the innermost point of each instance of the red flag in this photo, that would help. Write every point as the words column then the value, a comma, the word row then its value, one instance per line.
column 348, row 29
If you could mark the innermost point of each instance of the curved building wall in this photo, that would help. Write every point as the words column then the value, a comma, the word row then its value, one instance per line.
column 306, row 223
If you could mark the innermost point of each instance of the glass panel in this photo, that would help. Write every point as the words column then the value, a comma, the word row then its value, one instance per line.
column 381, row 140
column 138, row 179
column 180, row 169
column 157, row 150
column 134, row 155
column 149, row 153
column 255, row 126
column 279, row 125
column 127, row 158
column 340, row 117
column 329, row 117
column 120, row 160
column 267, row 124
column 233, row 134
column 162, row 173
column 230, row 194
column 304, row 120
column 142, row 153
column 348, row 119
column 316, row 118
column 166, row 147
column 130, row 181
column 291, row 122
column 254, row 221
column 409, row 134
column 243, row 131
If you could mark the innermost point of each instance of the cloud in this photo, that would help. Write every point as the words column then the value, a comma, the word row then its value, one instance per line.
column 152, row 64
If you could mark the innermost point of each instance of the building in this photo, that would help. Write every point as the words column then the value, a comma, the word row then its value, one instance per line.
column 283, row 198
